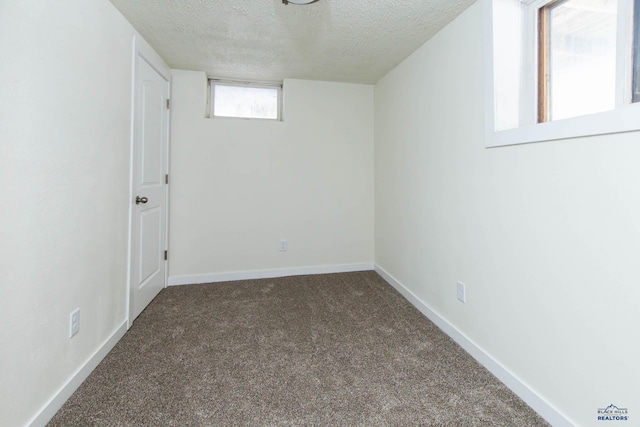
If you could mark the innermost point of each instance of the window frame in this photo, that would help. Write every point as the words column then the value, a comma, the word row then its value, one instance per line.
column 624, row 42
column 635, row 84
column 213, row 82
column 512, row 107
column 542, row 30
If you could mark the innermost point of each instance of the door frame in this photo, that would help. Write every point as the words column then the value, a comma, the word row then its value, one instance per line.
column 140, row 48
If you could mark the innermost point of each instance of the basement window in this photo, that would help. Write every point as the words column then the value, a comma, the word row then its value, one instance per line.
column 577, row 58
column 561, row 69
column 245, row 100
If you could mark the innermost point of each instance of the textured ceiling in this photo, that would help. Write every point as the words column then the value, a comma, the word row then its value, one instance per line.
column 355, row 41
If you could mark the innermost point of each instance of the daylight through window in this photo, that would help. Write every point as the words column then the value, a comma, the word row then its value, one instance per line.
column 245, row 100
column 577, row 58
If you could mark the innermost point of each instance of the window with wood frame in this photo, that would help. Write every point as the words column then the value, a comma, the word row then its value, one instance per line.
column 588, row 57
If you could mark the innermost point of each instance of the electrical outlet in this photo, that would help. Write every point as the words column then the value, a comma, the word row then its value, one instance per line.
column 74, row 322
column 284, row 245
column 462, row 292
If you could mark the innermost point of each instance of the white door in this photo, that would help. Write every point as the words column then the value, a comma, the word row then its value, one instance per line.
column 149, row 201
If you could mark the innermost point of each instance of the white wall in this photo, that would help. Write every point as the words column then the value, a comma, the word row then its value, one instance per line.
column 65, row 84
column 546, row 236
column 239, row 186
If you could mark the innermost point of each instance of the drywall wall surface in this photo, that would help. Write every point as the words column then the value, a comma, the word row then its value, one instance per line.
column 545, row 236
column 65, row 85
column 240, row 186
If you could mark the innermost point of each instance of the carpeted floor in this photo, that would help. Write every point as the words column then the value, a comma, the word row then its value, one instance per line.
column 326, row 350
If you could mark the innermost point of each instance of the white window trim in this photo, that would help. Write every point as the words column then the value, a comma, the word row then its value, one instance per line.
column 212, row 81
column 625, row 118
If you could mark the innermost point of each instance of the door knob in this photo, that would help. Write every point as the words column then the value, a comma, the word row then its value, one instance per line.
column 142, row 200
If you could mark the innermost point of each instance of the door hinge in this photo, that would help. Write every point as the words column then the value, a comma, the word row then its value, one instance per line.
column 166, row 179
column 165, row 255
column 168, row 103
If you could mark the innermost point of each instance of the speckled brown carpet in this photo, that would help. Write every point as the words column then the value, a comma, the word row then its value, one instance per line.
column 325, row 350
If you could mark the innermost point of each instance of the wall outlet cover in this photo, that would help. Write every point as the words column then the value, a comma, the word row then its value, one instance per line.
column 74, row 322
column 462, row 292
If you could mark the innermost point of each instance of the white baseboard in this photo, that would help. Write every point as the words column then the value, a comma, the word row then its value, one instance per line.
column 268, row 274
column 540, row 405
column 61, row 396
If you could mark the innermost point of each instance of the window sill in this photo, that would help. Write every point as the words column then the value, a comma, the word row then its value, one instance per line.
column 257, row 119
column 625, row 119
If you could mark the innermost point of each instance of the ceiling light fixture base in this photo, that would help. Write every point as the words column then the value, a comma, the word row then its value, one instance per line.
column 298, row 1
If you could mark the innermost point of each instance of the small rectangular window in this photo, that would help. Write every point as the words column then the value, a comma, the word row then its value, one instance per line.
column 245, row 100
column 577, row 58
